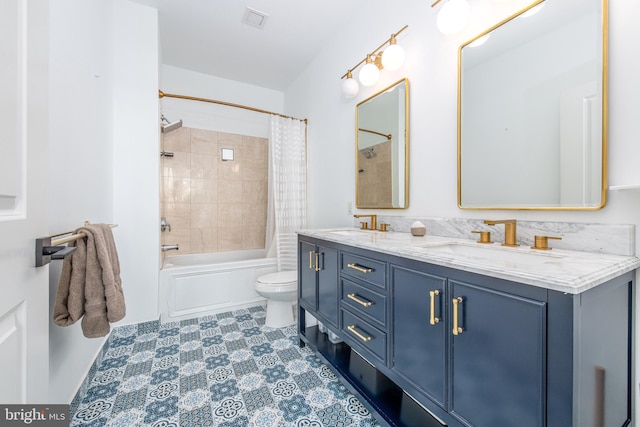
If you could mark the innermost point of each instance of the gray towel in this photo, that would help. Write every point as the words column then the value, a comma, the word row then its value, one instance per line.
column 90, row 285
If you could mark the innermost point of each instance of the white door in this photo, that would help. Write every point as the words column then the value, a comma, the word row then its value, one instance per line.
column 24, row 308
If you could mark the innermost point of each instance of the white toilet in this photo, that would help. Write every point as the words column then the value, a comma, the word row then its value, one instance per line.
column 281, row 290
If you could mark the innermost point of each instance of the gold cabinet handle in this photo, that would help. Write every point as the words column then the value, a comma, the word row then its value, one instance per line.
column 352, row 328
column 432, row 318
column 359, row 301
column 318, row 261
column 359, row 268
column 457, row 330
column 311, row 259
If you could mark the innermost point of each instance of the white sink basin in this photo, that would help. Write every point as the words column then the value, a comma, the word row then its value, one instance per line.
column 493, row 252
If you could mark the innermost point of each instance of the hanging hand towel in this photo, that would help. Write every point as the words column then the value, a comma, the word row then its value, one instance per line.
column 90, row 285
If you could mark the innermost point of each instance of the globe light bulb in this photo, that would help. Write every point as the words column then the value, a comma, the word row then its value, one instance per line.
column 350, row 86
column 369, row 73
column 393, row 56
column 453, row 16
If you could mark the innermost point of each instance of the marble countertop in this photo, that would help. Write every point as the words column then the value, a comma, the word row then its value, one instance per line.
column 567, row 271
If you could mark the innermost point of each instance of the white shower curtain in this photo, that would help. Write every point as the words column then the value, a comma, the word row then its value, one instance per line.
column 287, row 188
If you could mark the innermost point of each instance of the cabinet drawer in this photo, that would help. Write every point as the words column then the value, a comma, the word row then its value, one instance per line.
column 364, row 301
column 363, row 268
column 358, row 331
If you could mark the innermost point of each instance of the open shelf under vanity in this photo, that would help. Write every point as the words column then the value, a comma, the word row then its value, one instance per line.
column 389, row 403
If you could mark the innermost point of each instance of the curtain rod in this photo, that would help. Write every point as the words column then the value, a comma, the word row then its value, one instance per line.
column 161, row 94
column 386, row 135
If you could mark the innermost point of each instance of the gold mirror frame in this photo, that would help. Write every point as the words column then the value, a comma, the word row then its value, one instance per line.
column 604, row 124
column 385, row 135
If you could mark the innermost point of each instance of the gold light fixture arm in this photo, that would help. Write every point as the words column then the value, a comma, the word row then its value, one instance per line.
column 388, row 41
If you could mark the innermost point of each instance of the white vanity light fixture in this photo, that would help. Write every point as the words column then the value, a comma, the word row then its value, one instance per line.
column 453, row 16
column 350, row 86
column 393, row 56
column 391, row 59
column 370, row 73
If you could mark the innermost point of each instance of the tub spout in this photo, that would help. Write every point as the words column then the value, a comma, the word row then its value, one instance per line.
column 170, row 247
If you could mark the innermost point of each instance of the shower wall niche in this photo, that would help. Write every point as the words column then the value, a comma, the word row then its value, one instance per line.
column 214, row 205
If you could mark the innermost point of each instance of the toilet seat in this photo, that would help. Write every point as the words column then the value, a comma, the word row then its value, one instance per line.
column 281, row 281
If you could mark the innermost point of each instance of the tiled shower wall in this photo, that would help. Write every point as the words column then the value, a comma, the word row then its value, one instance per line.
column 374, row 176
column 214, row 205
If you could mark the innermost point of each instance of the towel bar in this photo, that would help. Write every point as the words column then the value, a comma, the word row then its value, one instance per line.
column 48, row 249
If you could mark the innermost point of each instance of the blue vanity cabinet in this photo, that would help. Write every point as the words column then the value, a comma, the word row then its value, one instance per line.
column 474, row 346
column 307, row 275
column 419, row 331
column 318, row 280
column 429, row 345
column 497, row 357
column 363, row 304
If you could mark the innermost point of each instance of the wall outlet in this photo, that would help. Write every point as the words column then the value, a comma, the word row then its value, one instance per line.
column 349, row 208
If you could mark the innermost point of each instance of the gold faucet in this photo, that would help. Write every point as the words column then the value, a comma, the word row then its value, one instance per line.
column 374, row 221
column 509, row 230
column 541, row 243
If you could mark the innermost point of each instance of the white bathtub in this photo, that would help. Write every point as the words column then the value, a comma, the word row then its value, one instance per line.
column 197, row 285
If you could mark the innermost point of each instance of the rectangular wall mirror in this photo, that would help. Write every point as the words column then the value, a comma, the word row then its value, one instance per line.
column 532, row 110
column 382, row 149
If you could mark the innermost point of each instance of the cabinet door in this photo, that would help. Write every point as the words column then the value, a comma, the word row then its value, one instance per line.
column 306, row 265
column 328, row 301
column 418, row 332
column 497, row 358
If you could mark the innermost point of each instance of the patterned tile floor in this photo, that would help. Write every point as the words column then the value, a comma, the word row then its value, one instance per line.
column 226, row 370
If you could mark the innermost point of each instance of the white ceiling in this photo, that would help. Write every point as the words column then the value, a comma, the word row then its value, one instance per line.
column 208, row 36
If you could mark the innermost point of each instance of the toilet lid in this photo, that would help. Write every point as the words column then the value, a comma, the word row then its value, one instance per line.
column 279, row 278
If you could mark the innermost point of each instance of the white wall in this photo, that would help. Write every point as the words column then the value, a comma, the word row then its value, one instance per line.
column 136, row 157
column 431, row 67
column 81, row 168
column 98, row 74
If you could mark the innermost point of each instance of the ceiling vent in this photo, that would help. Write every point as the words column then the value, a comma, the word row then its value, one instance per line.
column 255, row 18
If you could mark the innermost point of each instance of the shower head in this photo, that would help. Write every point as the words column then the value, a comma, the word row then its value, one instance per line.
column 368, row 153
column 168, row 127
column 171, row 126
